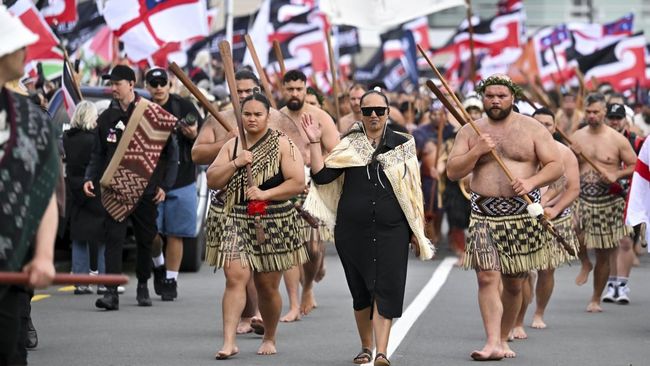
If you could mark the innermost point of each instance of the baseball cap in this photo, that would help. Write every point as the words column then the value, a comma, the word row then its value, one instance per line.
column 615, row 110
column 157, row 73
column 120, row 72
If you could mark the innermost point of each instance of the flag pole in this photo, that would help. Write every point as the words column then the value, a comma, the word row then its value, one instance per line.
column 260, row 71
column 472, row 71
column 335, row 89
column 278, row 55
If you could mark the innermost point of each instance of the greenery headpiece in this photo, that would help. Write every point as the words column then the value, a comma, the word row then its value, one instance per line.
column 499, row 79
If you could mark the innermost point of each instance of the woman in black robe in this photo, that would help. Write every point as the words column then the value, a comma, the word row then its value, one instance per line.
column 372, row 233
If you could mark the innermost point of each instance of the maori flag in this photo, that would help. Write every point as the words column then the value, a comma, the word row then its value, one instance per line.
column 211, row 42
column 620, row 64
column 135, row 159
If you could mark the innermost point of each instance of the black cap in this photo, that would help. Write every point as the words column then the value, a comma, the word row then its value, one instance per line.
column 120, row 72
column 156, row 73
column 615, row 110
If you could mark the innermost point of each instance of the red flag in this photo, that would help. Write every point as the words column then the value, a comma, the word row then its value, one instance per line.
column 60, row 11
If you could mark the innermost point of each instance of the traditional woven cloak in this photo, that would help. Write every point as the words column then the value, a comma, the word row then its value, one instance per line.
column 600, row 214
column 135, row 159
column 504, row 237
column 231, row 232
column 400, row 166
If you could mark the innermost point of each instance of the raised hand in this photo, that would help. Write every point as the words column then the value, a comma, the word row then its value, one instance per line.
column 311, row 128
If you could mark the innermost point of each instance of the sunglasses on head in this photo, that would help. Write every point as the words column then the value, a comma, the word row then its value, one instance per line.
column 379, row 111
column 157, row 83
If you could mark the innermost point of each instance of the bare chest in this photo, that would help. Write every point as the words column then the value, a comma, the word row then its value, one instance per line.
column 513, row 145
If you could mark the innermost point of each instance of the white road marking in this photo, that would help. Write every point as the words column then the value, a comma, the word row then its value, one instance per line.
column 419, row 304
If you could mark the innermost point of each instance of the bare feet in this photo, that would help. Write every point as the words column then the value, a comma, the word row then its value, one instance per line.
column 291, row 316
column 507, row 352
column 307, row 303
column 258, row 325
column 244, row 326
column 226, row 352
column 583, row 276
column 267, row 348
column 594, row 307
column 519, row 333
column 538, row 322
column 488, row 354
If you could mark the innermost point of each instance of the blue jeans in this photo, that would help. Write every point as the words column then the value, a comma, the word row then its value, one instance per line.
column 81, row 257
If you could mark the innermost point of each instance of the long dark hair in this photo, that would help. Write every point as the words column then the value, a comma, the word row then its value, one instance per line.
column 382, row 140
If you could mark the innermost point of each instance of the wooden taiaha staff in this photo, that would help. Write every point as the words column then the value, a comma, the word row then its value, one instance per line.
column 260, row 71
column 335, row 89
column 568, row 140
column 176, row 70
column 22, row 279
column 278, row 55
column 464, row 117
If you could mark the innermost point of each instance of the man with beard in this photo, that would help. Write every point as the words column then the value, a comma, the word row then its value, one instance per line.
column 505, row 242
column 355, row 92
column 601, row 206
column 617, row 286
column 294, row 90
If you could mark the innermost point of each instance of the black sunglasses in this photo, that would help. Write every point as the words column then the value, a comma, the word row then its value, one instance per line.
column 379, row 111
column 157, row 83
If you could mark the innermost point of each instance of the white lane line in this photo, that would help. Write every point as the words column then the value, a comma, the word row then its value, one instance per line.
column 416, row 308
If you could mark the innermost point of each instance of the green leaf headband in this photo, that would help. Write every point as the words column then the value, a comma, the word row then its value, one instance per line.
column 496, row 80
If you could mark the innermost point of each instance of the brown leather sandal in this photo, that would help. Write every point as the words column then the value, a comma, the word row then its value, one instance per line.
column 364, row 356
column 381, row 360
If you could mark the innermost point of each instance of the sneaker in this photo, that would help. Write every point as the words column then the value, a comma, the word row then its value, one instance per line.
column 612, row 293
column 110, row 300
column 83, row 290
column 159, row 276
column 169, row 290
column 101, row 289
column 142, row 295
column 623, row 295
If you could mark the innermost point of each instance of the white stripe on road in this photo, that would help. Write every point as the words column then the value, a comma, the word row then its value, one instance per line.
column 416, row 308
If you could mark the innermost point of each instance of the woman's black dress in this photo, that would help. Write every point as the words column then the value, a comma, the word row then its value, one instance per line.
column 372, row 234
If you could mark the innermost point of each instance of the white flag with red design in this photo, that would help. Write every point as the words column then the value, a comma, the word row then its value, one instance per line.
column 638, row 205
column 146, row 26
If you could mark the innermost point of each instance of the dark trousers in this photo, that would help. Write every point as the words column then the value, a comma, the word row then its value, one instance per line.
column 143, row 219
column 15, row 311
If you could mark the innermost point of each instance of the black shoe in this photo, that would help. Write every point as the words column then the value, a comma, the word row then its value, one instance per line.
column 110, row 301
column 142, row 295
column 32, row 337
column 168, row 290
column 159, row 275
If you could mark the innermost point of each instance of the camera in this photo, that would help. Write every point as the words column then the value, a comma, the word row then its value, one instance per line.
column 189, row 120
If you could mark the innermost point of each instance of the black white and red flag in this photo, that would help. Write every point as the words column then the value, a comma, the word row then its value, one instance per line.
column 620, row 64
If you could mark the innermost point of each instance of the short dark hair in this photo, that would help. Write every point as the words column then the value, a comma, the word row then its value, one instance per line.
column 294, row 75
column 245, row 74
column 595, row 98
column 258, row 97
column 544, row 111
column 315, row 93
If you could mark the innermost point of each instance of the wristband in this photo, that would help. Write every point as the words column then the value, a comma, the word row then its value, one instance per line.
column 234, row 164
column 314, row 142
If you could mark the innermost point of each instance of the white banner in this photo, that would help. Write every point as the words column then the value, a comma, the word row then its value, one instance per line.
column 376, row 14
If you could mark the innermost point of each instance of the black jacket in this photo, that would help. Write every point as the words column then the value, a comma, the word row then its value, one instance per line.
column 165, row 173
column 86, row 214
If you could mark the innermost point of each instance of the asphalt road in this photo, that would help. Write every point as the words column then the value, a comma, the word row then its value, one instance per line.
column 440, row 332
